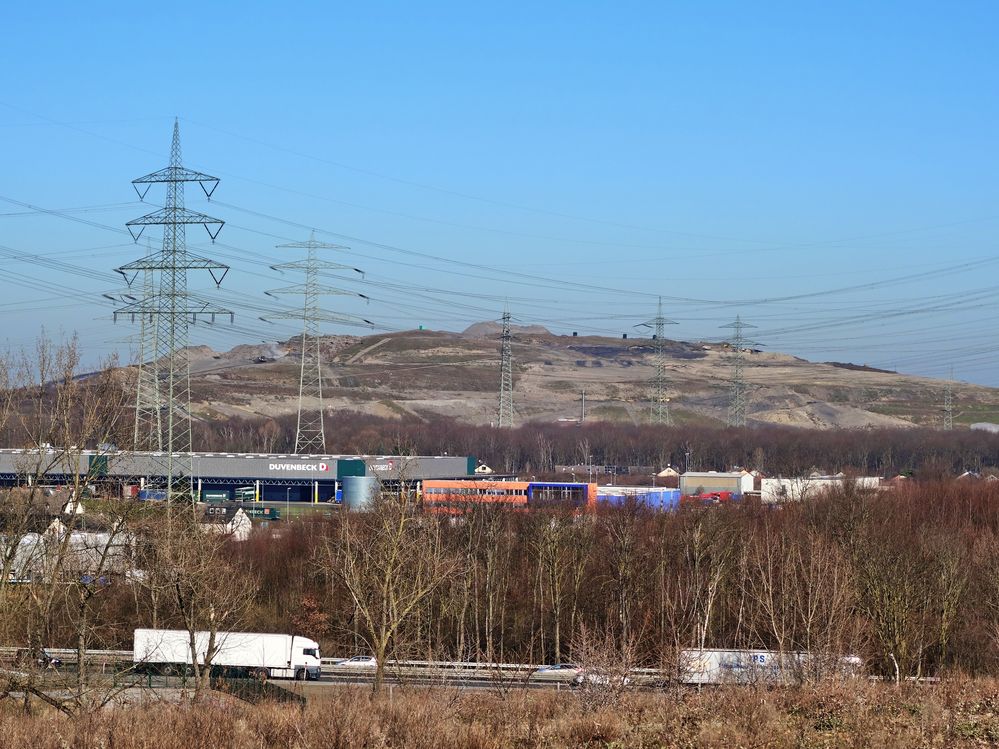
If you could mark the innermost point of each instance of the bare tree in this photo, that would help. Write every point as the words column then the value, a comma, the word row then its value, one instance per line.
column 800, row 588
column 605, row 665
column 208, row 592
column 57, row 562
column 695, row 561
column 389, row 560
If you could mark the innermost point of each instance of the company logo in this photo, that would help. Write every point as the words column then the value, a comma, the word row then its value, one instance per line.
column 298, row 467
column 383, row 466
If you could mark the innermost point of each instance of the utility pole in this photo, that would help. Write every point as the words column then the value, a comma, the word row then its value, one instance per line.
column 505, row 417
column 660, row 402
column 582, row 406
column 170, row 309
column 310, row 435
column 738, row 342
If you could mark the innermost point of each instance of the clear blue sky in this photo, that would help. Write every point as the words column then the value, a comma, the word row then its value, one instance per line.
column 732, row 157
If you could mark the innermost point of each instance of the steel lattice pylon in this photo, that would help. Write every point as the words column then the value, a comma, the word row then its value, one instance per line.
column 738, row 403
column 148, row 433
column 660, row 401
column 310, row 435
column 505, row 415
column 168, row 308
column 949, row 402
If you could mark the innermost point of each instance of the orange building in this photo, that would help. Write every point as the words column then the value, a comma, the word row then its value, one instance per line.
column 441, row 496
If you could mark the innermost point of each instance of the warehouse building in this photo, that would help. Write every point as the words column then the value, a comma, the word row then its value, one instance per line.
column 222, row 476
column 778, row 490
column 696, row 483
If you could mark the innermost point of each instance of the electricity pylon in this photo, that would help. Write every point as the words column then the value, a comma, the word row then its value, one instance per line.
column 660, row 402
column 148, row 433
column 170, row 309
column 949, row 403
column 738, row 342
column 310, row 435
column 505, row 415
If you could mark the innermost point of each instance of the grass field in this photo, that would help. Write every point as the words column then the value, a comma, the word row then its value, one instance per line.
column 960, row 713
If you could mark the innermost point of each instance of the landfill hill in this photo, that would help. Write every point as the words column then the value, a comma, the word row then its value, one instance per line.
column 426, row 374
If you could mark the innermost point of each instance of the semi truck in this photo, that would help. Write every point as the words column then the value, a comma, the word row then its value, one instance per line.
column 252, row 654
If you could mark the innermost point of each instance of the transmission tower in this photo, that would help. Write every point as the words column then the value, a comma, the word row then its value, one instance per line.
column 169, row 309
column 738, row 342
column 505, row 416
column 148, row 433
column 310, row 435
column 660, row 402
column 949, row 403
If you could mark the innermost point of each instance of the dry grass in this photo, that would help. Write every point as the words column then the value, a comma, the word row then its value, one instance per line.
column 958, row 713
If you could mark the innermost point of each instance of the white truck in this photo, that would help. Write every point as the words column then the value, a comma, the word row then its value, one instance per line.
column 239, row 653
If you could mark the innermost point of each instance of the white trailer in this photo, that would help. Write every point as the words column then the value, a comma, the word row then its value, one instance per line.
column 253, row 654
column 761, row 666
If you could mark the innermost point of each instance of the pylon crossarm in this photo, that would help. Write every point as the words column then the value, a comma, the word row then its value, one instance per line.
column 319, row 265
column 181, row 260
column 173, row 216
column 176, row 173
column 311, row 244
column 314, row 289
column 320, row 316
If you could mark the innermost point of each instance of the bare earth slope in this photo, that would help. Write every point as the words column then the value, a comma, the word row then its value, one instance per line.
column 426, row 373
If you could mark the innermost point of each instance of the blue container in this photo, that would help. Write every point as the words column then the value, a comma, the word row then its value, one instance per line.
column 670, row 499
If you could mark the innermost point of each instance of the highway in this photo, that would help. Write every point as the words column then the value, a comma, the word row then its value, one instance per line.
column 705, row 667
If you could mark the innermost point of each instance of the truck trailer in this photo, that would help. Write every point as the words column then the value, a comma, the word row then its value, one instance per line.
column 713, row 666
column 253, row 654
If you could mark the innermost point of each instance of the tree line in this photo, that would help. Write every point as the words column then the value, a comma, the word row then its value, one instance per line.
column 539, row 447
column 906, row 579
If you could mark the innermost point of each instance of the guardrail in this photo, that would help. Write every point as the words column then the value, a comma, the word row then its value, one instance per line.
column 448, row 665
column 68, row 655
column 456, row 671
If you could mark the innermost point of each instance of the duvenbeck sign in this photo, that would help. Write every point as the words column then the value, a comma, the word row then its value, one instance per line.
column 298, row 467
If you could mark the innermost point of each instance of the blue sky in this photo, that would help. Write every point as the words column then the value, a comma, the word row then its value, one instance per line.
column 825, row 170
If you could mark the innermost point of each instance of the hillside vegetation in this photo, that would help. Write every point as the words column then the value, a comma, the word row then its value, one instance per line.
column 433, row 373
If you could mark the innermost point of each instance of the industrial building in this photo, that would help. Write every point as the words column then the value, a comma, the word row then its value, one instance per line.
column 451, row 497
column 223, row 476
column 695, row 483
column 779, row 490
column 654, row 498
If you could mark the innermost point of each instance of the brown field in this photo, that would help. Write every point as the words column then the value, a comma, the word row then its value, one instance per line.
column 959, row 713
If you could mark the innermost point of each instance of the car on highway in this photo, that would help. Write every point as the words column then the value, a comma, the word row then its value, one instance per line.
column 357, row 662
column 566, row 672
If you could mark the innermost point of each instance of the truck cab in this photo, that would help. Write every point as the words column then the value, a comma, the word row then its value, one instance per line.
column 305, row 655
